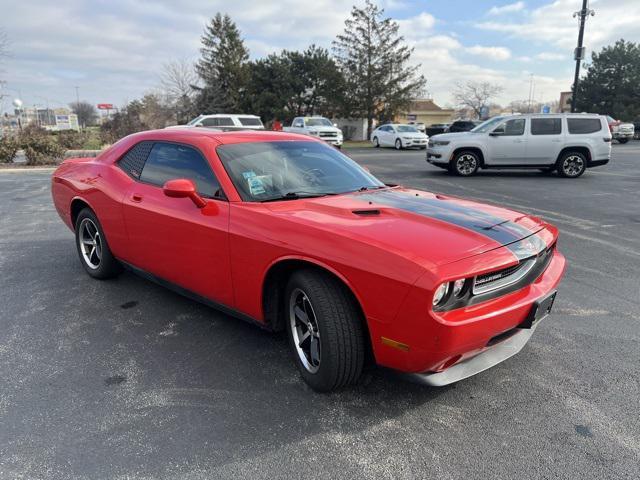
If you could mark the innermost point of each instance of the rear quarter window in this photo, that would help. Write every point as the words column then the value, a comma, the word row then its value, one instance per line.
column 250, row 122
column 583, row 125
column 133, row 161
column 546, row 126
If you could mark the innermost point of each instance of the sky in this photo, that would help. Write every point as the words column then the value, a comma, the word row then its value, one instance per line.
column 114, row 50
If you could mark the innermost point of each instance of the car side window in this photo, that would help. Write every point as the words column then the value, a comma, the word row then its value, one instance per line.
column 169, row 161
column 584, row 125
column 209, row 122
column 513, row 127
column 546, row 126
column 133, row 161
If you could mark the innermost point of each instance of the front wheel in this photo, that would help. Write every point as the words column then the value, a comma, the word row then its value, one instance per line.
column 398, row 144
column 93, row 249
column 376, row 143
column 572, row 165
column 623, row 140
column 465, row 163
column 325, row 331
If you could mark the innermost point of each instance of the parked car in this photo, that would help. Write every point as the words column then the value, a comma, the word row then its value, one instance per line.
column 436, row 129
column 319, row 127
column 286, row 232
column 225, row 122
column 461, row 126
column 568, row 143
column 419, row 126
column 622, row 132
column 399, row 136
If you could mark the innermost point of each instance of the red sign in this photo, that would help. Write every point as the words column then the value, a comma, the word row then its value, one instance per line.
column 105, row 106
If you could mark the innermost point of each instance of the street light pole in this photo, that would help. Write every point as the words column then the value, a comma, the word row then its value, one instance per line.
column 579, row 52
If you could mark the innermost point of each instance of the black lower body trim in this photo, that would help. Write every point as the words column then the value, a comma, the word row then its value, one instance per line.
column 194, row 296
column 597, row 163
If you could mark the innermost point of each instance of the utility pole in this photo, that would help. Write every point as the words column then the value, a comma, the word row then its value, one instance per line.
column 579, row 51
column 77, row 96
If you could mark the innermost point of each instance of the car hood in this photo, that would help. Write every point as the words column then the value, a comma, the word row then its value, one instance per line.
column 428, row 228
column 453, row 136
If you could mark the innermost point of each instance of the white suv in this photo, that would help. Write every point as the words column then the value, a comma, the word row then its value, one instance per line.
column 568, row 143
column 225, row 121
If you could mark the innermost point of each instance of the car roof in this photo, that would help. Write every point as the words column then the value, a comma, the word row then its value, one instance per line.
column 236, row 136
column 210, row 115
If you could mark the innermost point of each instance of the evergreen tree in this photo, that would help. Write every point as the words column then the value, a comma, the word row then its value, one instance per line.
column 612, row 83
column 222, row 68
column 374, row 60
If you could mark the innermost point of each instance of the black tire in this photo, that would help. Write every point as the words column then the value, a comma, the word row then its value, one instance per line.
column 398, row 144
column 623, row 140
column 423, row 147
column 340, row 343
column 96, row 258
column 571, row 164
column 376, row 143
column 465, row 163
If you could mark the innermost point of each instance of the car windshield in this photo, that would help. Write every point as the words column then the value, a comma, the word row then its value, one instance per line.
column 318, row 122
column 195, row 120
column 406, row 128
column 267, row 171
column 488, row 125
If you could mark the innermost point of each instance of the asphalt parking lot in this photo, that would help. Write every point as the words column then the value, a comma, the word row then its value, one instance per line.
column 124, row 379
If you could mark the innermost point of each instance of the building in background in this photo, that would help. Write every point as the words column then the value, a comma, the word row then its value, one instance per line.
column 565, row 102
column 425, row 111
column 53, row 119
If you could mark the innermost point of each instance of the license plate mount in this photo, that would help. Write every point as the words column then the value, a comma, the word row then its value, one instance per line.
column 539, row 310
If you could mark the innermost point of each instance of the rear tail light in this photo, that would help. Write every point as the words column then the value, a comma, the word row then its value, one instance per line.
column 607, row 139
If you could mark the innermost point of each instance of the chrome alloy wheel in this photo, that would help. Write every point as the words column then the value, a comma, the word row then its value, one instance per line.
column 573, row 165
column 466, row 164
column 90, row 243
column 304, row 329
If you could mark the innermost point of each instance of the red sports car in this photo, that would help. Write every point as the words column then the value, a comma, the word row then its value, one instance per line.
column 287, row 232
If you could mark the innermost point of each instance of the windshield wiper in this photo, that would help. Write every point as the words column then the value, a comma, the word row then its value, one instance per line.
column 375, row 187
column 298, row 195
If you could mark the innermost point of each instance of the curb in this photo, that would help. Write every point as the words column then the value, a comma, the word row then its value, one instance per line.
column 33, row 169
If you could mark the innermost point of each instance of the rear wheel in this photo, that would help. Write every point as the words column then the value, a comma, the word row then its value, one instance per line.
column 398, row 144
column 93, row 249
column 572, row 165
column 465, row 163
column 325, row 330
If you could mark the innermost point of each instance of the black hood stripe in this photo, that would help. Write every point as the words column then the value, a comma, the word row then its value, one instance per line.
column 498, row 229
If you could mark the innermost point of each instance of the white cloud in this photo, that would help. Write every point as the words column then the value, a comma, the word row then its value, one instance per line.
column 509, row 8
column 552, row 56
column 418, row 26
column 554, row 23
column 493, row 53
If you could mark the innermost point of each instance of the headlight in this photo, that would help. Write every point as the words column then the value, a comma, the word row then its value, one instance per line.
column 458, row 285
column 439, row 143
column 440, row 293
column 313, row 132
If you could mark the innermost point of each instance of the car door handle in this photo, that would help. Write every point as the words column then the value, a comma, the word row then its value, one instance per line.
column 136, row 197
column 517, row 140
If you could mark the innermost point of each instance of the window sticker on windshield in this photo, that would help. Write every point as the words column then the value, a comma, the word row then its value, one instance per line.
column 249, row 174
column 255, row 185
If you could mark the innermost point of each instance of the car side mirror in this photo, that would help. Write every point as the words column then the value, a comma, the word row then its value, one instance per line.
column 335, row 125
column 183, row 188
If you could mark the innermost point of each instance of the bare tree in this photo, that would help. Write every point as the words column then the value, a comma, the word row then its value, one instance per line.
column 86, row 112
column 177, row 82
column 178, row 78
column 475, row 95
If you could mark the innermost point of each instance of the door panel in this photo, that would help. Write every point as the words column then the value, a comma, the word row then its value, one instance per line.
column 175, row 240
column 508, row 146
column 545, row 141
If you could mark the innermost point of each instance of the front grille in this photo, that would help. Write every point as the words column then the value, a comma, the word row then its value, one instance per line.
column 328, row 134
column 505, row 277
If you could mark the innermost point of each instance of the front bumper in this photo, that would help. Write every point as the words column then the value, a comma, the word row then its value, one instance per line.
column 335, row 141
column 438, row 156
column 473, row 337
column 414, row 142
column 511, row 343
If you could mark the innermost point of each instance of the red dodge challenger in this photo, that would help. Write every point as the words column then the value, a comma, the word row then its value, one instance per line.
column 287, row 232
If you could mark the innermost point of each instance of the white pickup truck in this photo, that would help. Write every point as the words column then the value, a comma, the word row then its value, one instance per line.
column 317, row 127
column 622, row 132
